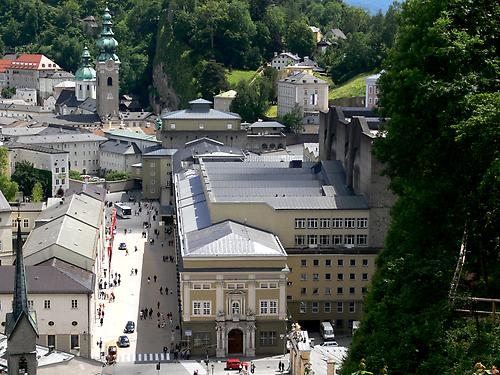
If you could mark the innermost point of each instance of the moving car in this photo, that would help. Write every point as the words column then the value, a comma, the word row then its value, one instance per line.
column 233, row 364
column 129, row 327
column 123, row 342
column 122, row 246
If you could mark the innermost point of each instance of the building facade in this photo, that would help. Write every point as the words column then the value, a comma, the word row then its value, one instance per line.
column 85, row 79
column 237, row 304
column 5, row 231
column 222, row 101
column 53, row 160
column 283, row 59
column 115, row 155
column 372, row 91
column 83, row 148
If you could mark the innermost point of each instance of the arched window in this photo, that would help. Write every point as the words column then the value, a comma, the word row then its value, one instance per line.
column 110, row 81
column 235, row 307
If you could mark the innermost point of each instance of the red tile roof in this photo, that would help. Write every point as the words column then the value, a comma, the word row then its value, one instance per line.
column 4, row 65
column 34, row 62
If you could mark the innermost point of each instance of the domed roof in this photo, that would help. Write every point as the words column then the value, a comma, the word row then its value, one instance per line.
column 107, row 44
column 85, row 72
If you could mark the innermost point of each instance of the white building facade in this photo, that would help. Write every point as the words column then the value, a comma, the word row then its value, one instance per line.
column 283, row 59
column 372, row 91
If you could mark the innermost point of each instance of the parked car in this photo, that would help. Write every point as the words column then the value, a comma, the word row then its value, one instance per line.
column 122, row 246
column 330, row 343
column 233, row 364
column 129, row 327
column 123, row 342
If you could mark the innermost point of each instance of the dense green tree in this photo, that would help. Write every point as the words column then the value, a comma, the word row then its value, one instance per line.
column 8, row 92
column 7, row 187
column 37, row 192
column 300, row 39
column 440, row 149
column 251, row 100
column 293, row 120
column 212, row 80
column 26, row 175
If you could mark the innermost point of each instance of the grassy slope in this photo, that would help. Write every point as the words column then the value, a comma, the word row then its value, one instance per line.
column 234, row 76
column 353, row 87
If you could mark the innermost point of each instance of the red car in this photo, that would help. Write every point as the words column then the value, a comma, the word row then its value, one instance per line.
column 233, row 364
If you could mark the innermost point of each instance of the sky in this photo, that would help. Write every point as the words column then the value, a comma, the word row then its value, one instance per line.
column 371, row 5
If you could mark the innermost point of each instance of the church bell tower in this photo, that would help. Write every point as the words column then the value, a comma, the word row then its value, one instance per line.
column 107, row 67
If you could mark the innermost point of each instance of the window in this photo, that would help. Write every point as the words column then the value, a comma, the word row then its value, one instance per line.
column 352, row 290
column 303, row 262
column 303, row 307
column 26, row 223
column 350, row 223
column 352, row 307
column 315, row 291
column 46, row 304
column 340, row 290
column 340, row 262
column 340, row 276
column 75, row 341
column 364, row 276
column 235, row 307
column 300, row 223
column 315, row 307
column 202, row 308
column 340, row 307
column 324, row 239
column 328, row 291
column 202, row 126
column 300, row 240
column 57, row 181
column 349, row 239
column 352, row 276
column 337, row 239
column 172, row 126
column 364, row 262
column 51, row 340
column 57, row 169
column 316, row 262
column 110, row 81
column 352, row 262
column 362, row 222
column 328, row 276
column 268, row 338
column 63, row 181
column 312, row 223
column 30, row 304
column 370, row 89
column 328, row 307
column 328, row 262
column 312, row 239
column 303, row 291
column 268, row 306
column 74, row 304
column 201, row 339
column 303, row 277
column 364, row 290
column 324, row 223
column 229, row 126
column 362, row 239
column 315, row 276
column 337, row 222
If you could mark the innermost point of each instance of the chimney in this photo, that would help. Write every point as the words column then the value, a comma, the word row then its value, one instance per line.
column 330, row 366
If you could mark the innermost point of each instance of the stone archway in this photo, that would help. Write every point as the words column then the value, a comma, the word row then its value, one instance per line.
column 235, row 341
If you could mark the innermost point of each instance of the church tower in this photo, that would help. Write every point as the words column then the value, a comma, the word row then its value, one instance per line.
column 107, row 66
column 85, row 79
column 21, row 328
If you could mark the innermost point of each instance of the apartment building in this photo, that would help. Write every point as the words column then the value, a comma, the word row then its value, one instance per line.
column 372, row 91
column 156, row 174
column 49, row 159
column 116, row 155
column 61, row 294
column 83, row 148
column 284, row 59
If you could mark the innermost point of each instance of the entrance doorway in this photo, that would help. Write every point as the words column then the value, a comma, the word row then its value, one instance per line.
column 235, row 342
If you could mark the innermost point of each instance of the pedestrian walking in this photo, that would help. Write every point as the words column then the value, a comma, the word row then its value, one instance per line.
column 154, row 278
column 135, row 248
column 158, row 304
column 161, row 243
column 136, row 271
column 149, row 279
column 279, row 366
column 161, row 290
column 102, row 321
column 166, row 291
column 150, row 313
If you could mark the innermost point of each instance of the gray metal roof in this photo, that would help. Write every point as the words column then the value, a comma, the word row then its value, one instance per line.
column 21, row 130
column 200, row 101
column 44, row 279
column 118, row 147
column 280, row 186
column 4, row 205
column 303, row 78
column 230, row 239
column 81, row 207
column 35, row 148
column 158, row 151
column 266, row 124
column 62, row 138
column 196, row 114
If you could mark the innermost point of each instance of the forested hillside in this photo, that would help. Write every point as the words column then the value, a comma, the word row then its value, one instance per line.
column 240, row 34
column 442, row 153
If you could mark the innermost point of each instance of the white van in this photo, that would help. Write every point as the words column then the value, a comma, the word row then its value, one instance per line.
column 326, row 329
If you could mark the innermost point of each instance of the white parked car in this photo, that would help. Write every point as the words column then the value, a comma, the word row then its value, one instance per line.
column 330, row 343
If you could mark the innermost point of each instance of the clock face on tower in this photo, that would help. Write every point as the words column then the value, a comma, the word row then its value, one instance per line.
column 110, row 64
